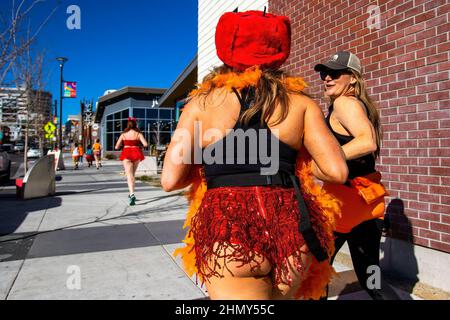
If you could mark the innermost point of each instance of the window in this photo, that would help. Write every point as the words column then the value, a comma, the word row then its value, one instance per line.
column 110, row 117
column 139, row 113
column 109, row 142
column 125, row 114
column 117, row 125
column 165, row 114
column 152, row 113
column 109, row 126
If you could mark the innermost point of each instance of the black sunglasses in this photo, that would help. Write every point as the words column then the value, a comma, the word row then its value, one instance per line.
column 334, row 74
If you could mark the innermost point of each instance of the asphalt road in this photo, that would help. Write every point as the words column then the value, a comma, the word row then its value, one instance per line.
column 17, row 163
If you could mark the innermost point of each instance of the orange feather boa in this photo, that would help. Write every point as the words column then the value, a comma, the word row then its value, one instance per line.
column 319, row 274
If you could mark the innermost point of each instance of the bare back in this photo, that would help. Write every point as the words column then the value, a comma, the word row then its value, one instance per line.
column 221, row 109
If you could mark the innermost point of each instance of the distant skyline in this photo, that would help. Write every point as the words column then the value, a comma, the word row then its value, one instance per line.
column 121, row 43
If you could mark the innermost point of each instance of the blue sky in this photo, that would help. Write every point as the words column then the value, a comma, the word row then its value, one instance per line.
column 121, row 43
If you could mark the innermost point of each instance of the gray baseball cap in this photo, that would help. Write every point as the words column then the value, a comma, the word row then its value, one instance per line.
column 339, row 61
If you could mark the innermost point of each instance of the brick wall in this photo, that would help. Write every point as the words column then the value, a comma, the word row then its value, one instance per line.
column 406, row 65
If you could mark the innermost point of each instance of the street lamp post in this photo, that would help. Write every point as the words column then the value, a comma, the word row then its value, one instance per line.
column 61, row 60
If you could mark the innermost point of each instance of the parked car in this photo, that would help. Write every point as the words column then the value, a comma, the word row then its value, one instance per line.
column 34, row 153
column 5, row 167
column 7, row 148
column 19, row 147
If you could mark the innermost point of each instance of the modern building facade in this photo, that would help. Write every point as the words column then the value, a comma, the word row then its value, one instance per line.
column 113, row 110
column 14, row 112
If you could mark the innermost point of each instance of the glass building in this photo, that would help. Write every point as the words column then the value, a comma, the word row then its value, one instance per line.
column 114, row 108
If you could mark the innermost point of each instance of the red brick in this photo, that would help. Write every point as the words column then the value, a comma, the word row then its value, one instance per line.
column 429, row 161
column 445, row 200
column 412, row 196
column 417, row 187
column 437, row 77
column 429, row 144
column 442, row 38
column 441, row 227
column 440, row 189
column 419, row 223
column 430, row 217
column 421, row 242
column 424, row 16
column 442, row 95
column 445, row 238
column 435, row 21
column 445, row 219
column 428, row 88
column 444, row 85
column 429, row 125
column 429, row 180
column 441, row 57
column 440, row 246
column 417, row 117
column 417, row 99
column 429, row 198
column 434, row 115
column 444, row 143
column 429, row 234
column 440, row 171
column 441, row 133
column 426, row 34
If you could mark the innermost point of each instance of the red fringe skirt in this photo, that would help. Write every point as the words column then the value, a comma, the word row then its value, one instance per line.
column 132, row 153
column 250, row 220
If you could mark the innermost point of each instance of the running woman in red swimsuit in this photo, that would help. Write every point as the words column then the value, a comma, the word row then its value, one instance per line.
column 133, row 141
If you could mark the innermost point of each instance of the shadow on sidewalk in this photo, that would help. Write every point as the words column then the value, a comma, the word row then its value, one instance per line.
column 13, row 212
column 399, row 261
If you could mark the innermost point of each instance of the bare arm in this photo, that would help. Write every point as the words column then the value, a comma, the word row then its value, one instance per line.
column 329, row 159
column 143, row 141
column 353, row 118
column 179, row 156
column 119, row 142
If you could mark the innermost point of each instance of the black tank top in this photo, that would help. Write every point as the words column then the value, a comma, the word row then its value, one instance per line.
column 248, row 158
column 357, row 167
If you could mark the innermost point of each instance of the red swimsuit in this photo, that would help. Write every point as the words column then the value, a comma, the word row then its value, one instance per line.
column 132, row 151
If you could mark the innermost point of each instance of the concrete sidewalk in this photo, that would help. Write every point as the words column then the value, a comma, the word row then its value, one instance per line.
column 87, row 243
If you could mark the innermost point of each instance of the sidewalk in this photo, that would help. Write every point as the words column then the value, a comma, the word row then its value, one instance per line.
column 119, row 252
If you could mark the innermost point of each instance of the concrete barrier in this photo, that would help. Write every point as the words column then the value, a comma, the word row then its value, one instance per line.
column 39, row 181
column 148, row 167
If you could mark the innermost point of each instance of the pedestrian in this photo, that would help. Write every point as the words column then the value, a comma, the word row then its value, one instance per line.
column 354, row 120
column 89, row 155
column 75, row 156
column 132, row 141
column 97, row 148
column 81, row 151
column 245, row 234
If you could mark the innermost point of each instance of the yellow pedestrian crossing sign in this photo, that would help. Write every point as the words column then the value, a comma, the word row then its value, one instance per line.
column 50, row 127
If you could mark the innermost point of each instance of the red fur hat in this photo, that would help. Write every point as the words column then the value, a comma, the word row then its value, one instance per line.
column 250, row 38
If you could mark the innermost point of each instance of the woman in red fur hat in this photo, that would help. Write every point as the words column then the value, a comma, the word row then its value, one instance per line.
column 253, row 234
column 132, row 140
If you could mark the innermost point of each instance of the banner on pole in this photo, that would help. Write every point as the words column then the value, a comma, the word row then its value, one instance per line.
column 70, row 89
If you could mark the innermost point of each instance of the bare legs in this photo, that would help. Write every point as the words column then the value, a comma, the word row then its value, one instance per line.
column 241, row 283
column 97, row 161
column 130, row 171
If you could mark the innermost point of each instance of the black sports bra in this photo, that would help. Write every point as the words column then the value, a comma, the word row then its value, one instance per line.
column 244, row 150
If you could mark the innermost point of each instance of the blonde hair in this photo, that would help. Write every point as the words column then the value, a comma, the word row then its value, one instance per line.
column 359, row 90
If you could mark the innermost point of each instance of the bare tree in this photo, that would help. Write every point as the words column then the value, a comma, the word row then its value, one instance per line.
column 12, row 45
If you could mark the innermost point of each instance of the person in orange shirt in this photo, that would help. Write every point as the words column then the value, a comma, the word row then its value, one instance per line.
column 81, row 152
column 355, row 122
column 97, row 148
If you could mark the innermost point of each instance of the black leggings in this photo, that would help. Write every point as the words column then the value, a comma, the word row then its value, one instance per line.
column 364, row 245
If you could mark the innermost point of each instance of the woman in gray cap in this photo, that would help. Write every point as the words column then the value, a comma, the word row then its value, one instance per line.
column 355, row 122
